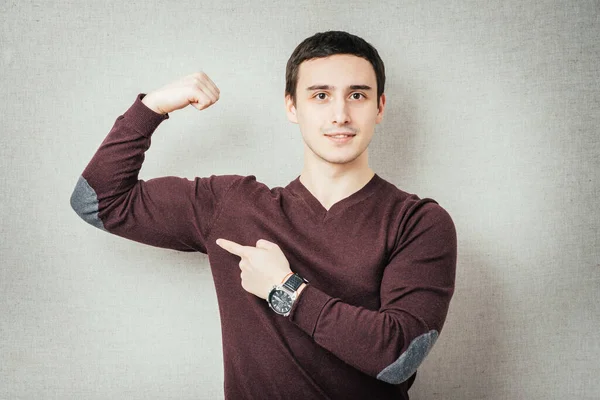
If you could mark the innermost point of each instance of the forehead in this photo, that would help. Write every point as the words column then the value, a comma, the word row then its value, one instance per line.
column 339, row 70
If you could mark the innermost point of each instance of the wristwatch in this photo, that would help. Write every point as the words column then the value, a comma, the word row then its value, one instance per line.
column 282, row 297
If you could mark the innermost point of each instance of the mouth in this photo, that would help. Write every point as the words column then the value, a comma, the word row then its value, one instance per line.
column 340, row 137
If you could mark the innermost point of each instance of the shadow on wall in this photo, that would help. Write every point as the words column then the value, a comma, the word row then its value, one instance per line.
column 473, row 357
column 393, row 147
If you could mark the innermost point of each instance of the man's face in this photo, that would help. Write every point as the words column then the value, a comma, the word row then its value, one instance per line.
column 327, row 102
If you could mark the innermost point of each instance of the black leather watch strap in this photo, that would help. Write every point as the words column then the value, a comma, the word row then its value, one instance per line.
column 294, row 282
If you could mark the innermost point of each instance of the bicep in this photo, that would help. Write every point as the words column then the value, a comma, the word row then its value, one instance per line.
column 169, row 212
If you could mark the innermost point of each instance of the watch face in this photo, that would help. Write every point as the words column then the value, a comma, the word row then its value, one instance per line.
column 280, row 301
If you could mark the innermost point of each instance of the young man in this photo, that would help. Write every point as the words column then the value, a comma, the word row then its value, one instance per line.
column 333, row 287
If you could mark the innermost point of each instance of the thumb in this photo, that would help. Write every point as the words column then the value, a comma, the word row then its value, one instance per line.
column 199, row 104
column 265, row 244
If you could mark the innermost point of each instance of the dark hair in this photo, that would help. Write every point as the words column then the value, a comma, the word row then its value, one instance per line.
column 324, row 44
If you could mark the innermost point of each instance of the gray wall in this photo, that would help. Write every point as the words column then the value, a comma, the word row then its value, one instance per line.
column 493, row 110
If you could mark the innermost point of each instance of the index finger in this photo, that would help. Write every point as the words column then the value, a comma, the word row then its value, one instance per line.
column 232, row 247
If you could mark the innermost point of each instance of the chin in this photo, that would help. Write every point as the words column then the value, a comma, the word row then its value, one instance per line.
column 340, row 159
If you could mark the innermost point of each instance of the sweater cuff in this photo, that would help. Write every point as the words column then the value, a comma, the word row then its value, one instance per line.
column 306, row 310
column 141, row 118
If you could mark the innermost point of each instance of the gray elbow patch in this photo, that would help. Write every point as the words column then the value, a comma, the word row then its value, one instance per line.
column 406, row 365
column 85, row 203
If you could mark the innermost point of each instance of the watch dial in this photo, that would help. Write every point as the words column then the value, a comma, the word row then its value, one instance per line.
column 281, row 301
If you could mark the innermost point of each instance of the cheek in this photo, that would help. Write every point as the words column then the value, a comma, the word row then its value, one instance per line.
column 310, row 121
column 368, row 117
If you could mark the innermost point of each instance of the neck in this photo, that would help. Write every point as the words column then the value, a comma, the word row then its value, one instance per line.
column 329, row 188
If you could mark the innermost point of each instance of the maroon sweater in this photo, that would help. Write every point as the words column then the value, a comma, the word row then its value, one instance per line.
column 381, row 265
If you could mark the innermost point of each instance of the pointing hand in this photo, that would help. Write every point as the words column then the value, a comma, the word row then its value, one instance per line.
column 262, row 266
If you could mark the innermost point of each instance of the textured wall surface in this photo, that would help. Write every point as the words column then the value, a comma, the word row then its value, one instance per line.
column 492, row 109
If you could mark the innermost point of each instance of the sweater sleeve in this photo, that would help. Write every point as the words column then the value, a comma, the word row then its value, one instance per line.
column 416, row 288
column 169, row 212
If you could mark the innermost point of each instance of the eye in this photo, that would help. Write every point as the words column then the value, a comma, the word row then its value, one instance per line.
column 353, row 94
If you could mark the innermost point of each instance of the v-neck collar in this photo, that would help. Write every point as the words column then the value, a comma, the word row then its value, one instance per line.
column 320, row 212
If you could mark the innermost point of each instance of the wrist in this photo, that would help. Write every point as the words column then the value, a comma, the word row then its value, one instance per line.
column 300, row 289
column 282, row 297
column 286, row 276
column 147, row 101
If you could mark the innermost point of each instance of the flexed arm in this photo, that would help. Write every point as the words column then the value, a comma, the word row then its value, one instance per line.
column 169, row 212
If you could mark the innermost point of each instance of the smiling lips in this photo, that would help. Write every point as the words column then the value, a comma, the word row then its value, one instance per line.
column 340, row 135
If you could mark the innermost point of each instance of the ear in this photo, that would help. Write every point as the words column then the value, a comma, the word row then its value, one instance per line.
column 380, row 108
column 290, row 109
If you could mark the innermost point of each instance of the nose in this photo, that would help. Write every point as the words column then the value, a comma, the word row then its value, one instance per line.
column 340, row 112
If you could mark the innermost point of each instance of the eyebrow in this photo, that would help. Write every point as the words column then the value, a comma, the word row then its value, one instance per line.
column 328, row 87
